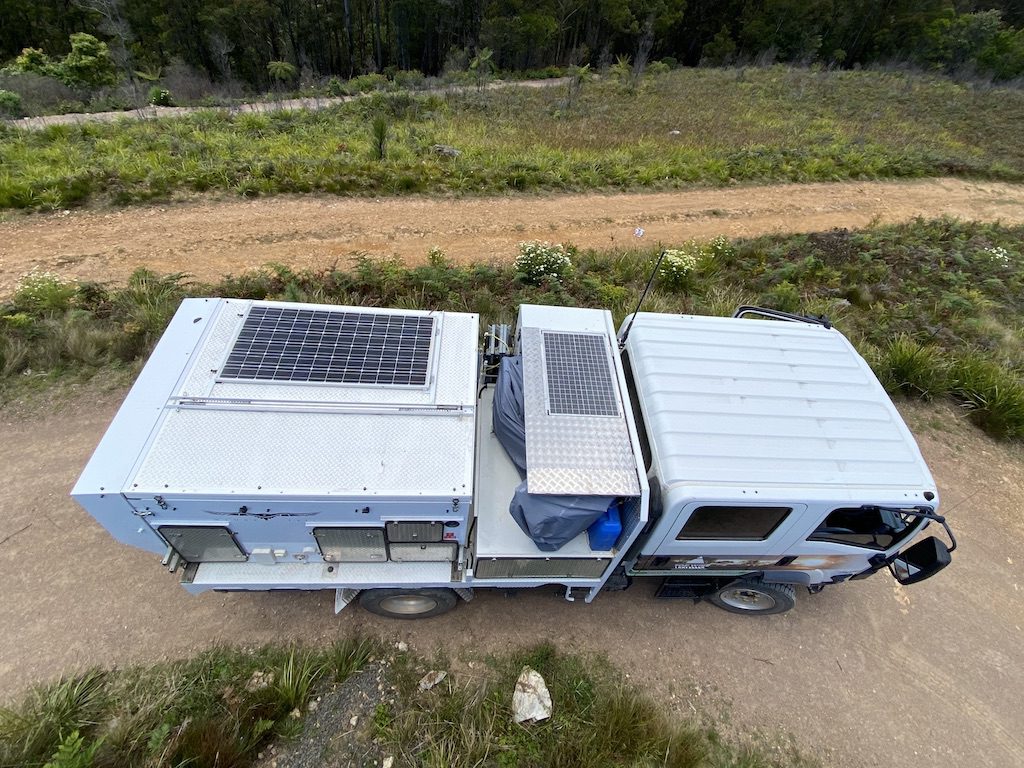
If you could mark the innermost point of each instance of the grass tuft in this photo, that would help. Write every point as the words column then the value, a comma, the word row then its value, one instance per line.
column 910, row 368
column 53, row 718
column 991, row 394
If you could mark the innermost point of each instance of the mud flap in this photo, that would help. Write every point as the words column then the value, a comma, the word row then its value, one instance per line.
column 342, row 597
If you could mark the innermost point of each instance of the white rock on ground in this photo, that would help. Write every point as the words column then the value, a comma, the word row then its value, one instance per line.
column 431, row 679
column 531, row 700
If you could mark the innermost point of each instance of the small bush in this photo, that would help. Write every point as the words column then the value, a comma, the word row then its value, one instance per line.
column 366, row 83
column 10, row 104
column 43, row 292
column 380, row 130
column 50, row 717
column 39, row 94
column 785, row 297
column 657, row 68
column 160, row 97
column 410, row 79
column 993, row 395
column 913, row 369
column 681, row 267
column 539, row 262
column 677, row 269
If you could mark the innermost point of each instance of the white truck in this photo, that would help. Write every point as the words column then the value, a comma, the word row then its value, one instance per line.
column 291, row 446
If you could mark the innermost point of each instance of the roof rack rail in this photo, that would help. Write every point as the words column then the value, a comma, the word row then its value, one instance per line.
column 777, row 314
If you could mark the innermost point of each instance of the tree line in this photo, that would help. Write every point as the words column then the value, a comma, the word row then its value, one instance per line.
column 236, row 40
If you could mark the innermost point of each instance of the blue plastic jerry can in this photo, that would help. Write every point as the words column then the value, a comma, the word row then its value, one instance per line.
column 605, row 531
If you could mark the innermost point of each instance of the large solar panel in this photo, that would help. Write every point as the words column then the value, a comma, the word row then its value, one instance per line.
column 579, row 375
column 333, row 346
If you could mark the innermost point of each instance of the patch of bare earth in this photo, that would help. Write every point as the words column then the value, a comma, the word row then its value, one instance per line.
column 213, row 238
column 864, row 674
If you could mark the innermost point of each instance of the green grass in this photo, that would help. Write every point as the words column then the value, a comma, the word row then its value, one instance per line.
column 220, row 709
column 598, row 720
column 217, row 709
column 733, row 125
column 937, row 307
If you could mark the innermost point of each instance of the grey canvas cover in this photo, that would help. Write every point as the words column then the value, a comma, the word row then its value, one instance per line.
column 553, row 521
column 509, row 411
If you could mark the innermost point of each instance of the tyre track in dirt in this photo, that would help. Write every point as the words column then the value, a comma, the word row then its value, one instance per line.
column 210, row 238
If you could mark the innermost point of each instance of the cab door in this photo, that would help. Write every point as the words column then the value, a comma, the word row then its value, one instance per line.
column 729, row 535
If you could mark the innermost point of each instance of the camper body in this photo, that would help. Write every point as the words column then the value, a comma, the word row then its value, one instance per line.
column 293, row 446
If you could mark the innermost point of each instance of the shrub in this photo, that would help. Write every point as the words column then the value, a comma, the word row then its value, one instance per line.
column 282, row 71
column 89, row 63
column 681, row 266
column 10, row 104
column 539, row 262
column 993, row 395
column 410, row 79
column 380, row 130
column 335, row 87
column 160, row 97
column 366, row 83
column 677, row 269
column 913, row 369
column 41, row 293
column 39, row 94
column 785, row 297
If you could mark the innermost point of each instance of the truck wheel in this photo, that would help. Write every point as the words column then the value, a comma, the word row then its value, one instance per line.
column 761, row 597
column 408, row 603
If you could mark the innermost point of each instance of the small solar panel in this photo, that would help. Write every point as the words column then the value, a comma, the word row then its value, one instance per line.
column 579, row 375
column 331, row 346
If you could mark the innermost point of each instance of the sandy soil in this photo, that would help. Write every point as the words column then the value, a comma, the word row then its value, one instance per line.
column 209, row 239
column 865, row 674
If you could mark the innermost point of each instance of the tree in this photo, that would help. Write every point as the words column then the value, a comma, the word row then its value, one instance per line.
column 482, row 65
column 35, row 61
column 720, row 50
column 282, row 71
column 89, row 63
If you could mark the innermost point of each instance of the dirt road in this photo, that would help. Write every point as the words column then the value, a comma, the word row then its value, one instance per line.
column 866, row 674
column 209, row 239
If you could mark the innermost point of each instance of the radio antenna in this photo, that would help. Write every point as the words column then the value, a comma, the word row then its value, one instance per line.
column 650, row 282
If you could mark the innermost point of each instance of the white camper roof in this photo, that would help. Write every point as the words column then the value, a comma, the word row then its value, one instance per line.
column 267, row 398
column 760, row 403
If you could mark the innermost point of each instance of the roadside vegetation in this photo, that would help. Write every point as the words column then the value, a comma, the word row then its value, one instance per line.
column 698, row 126
column 935, row 306
column 226, row 707
column 216, row 710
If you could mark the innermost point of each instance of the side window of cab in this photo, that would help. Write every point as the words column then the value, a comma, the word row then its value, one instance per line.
column 868, row 527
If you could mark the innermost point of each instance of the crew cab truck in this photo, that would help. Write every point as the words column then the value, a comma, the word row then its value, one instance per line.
column 273, row 445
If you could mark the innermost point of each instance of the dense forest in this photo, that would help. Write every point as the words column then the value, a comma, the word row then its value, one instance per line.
column 254, row 42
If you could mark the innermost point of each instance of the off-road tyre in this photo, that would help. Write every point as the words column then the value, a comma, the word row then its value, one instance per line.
column 754, row 598
column 408, row 603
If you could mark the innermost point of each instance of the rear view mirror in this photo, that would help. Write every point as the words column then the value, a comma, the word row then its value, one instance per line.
column 919, row 562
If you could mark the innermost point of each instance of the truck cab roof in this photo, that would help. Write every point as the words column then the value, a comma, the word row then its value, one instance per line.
column 770, row 407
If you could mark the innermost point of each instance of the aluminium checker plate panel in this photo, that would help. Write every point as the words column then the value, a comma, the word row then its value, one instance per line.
column 580, row 454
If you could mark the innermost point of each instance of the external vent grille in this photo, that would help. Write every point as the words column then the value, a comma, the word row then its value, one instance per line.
column 579, row 375
column 331, row 346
